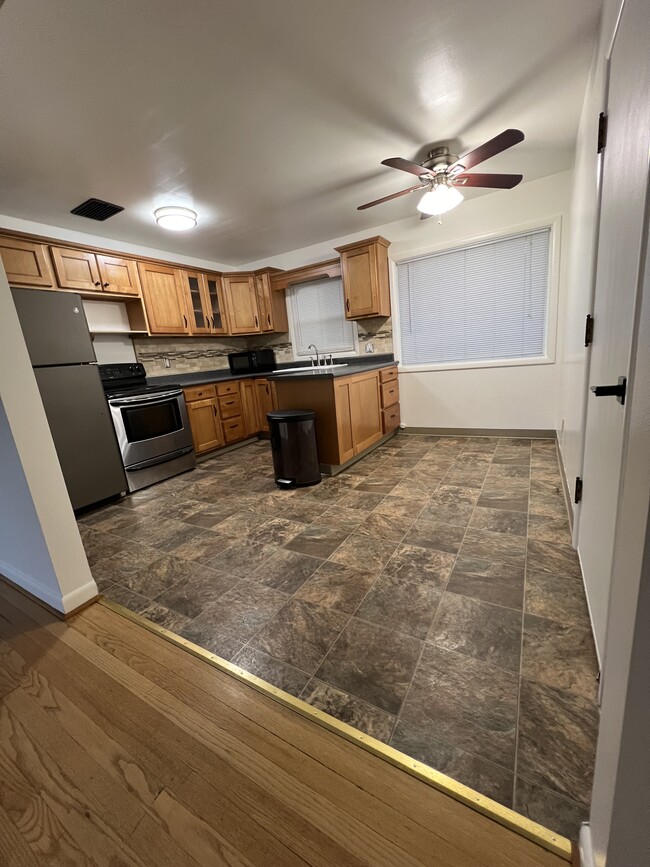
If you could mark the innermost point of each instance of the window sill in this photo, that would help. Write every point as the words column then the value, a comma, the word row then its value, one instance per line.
column 475, row 365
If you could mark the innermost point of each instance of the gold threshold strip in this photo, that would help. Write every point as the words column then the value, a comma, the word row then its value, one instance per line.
column 555, row 843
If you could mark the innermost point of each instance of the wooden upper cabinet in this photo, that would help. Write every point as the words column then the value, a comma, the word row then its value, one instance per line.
column 271, row 303
column 85, row 271
column 26, row 263
column 118, row 275
column 199, row 317
column 241, row 303
column 76, row 269
column 364, row 269
column 164, row 299
column 214, row 304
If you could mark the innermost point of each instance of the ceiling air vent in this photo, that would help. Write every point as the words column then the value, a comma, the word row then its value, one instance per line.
column 96, row 209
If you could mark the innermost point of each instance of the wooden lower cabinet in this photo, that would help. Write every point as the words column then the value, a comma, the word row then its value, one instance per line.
column 205, row 424
column 344, row 433
column 365, row 410
column 249, row 406
column 264, row 395
column 349, row 413
column 226, row 412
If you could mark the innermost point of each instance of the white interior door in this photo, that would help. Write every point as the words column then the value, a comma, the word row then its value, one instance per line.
column 624, row 195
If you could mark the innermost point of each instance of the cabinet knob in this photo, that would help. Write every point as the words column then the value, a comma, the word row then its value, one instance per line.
column 106, row 284
column 347, row 304
column 97, row 283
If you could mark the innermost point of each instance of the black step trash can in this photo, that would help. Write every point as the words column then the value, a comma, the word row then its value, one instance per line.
column 293, row 443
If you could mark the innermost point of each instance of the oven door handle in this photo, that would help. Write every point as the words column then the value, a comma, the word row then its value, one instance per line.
column 156, row 398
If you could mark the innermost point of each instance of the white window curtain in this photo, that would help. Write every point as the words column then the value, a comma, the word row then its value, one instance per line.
column 483, row 302
column 318, row 317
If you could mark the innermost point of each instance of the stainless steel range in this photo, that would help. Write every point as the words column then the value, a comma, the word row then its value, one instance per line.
column 151, row 423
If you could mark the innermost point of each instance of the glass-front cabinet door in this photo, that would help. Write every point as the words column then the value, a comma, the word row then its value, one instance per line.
column 199, row 318
column 215, row 307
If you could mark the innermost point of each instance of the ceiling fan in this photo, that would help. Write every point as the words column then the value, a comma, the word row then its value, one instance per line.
column 442, row 173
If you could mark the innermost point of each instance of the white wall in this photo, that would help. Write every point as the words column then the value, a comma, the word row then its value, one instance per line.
column 510, row 397
column 40, row 547
column 47, row 231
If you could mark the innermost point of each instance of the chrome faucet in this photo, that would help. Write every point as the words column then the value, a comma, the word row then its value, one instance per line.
column 315, row 348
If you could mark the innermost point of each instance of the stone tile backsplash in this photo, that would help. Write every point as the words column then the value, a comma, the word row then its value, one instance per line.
column 188, row 355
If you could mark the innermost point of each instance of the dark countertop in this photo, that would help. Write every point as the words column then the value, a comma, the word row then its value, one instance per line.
column 355, row 364
column 334, row 372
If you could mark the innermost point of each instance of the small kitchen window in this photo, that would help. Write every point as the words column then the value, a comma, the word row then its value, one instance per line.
column 317, row 312
column 486, row 302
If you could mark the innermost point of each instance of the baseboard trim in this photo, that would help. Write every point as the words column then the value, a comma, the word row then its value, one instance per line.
column 55, row 605
column 525, row 433
column 565, row 485
column 585, row 847
column 538, row 834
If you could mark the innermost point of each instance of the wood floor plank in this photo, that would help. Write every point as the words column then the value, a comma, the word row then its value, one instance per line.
column 73, row 808
column 14, row 848
column 339, row 817
column 101, row 792
column 215, row 772
column 339, row 754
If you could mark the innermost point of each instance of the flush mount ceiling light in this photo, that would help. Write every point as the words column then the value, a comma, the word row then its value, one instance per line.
column 440, row 199
column 176, row 219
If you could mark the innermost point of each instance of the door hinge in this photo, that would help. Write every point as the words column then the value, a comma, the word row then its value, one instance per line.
column 577, row 496
column 602, row 131
column 589, row 330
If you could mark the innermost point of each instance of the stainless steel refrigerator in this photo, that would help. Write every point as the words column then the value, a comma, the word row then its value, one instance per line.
column 61, row 351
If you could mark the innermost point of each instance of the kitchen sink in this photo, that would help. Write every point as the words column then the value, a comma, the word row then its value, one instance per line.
column 323, row 368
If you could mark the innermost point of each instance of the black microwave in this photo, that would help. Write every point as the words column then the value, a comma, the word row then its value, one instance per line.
column 257, row 361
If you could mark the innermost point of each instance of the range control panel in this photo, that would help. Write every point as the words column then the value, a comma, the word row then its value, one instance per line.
column 120, row 372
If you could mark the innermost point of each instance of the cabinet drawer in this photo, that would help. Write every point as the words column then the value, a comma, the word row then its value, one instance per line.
column 227, row 388
column 199, row 392
column 387, row 374
column 389, row 393
column 234, row 429
column 390, row 418
column 229, row 406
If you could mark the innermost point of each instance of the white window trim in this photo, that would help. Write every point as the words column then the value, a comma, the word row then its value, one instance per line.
column 292, row 331
column 552, row 301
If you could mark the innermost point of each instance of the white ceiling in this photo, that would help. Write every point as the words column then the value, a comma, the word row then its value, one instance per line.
column 271, row 117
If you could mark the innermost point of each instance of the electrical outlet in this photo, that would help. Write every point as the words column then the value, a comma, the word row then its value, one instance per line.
column 370, row 347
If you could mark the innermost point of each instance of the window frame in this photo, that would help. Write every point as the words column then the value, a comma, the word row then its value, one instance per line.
column 555, row 225
column 291, row 310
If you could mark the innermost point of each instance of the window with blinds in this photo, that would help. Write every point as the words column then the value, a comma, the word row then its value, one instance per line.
column 318, row 317
column 484, row 302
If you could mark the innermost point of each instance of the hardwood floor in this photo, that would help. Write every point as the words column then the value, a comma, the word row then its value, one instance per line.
column 117, row 748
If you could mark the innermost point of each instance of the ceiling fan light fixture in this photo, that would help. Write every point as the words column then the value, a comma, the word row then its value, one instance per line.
column 439, row 200
column 175, row 218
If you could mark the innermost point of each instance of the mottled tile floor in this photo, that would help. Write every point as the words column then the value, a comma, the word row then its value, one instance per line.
column 429, row 596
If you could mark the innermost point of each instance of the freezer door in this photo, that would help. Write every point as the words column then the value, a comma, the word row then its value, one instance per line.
column 83, row 432
column 55, row 327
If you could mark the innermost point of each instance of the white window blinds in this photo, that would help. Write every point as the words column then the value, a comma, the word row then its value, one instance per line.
column 318, row 316
column 483, row 302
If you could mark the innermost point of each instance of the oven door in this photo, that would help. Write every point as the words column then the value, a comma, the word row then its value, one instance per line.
column 151, row 427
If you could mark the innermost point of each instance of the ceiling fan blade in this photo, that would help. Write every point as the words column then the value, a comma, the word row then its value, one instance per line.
column 392, row 196
column 405, row 166
column 494, row 146
column 499, row 182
